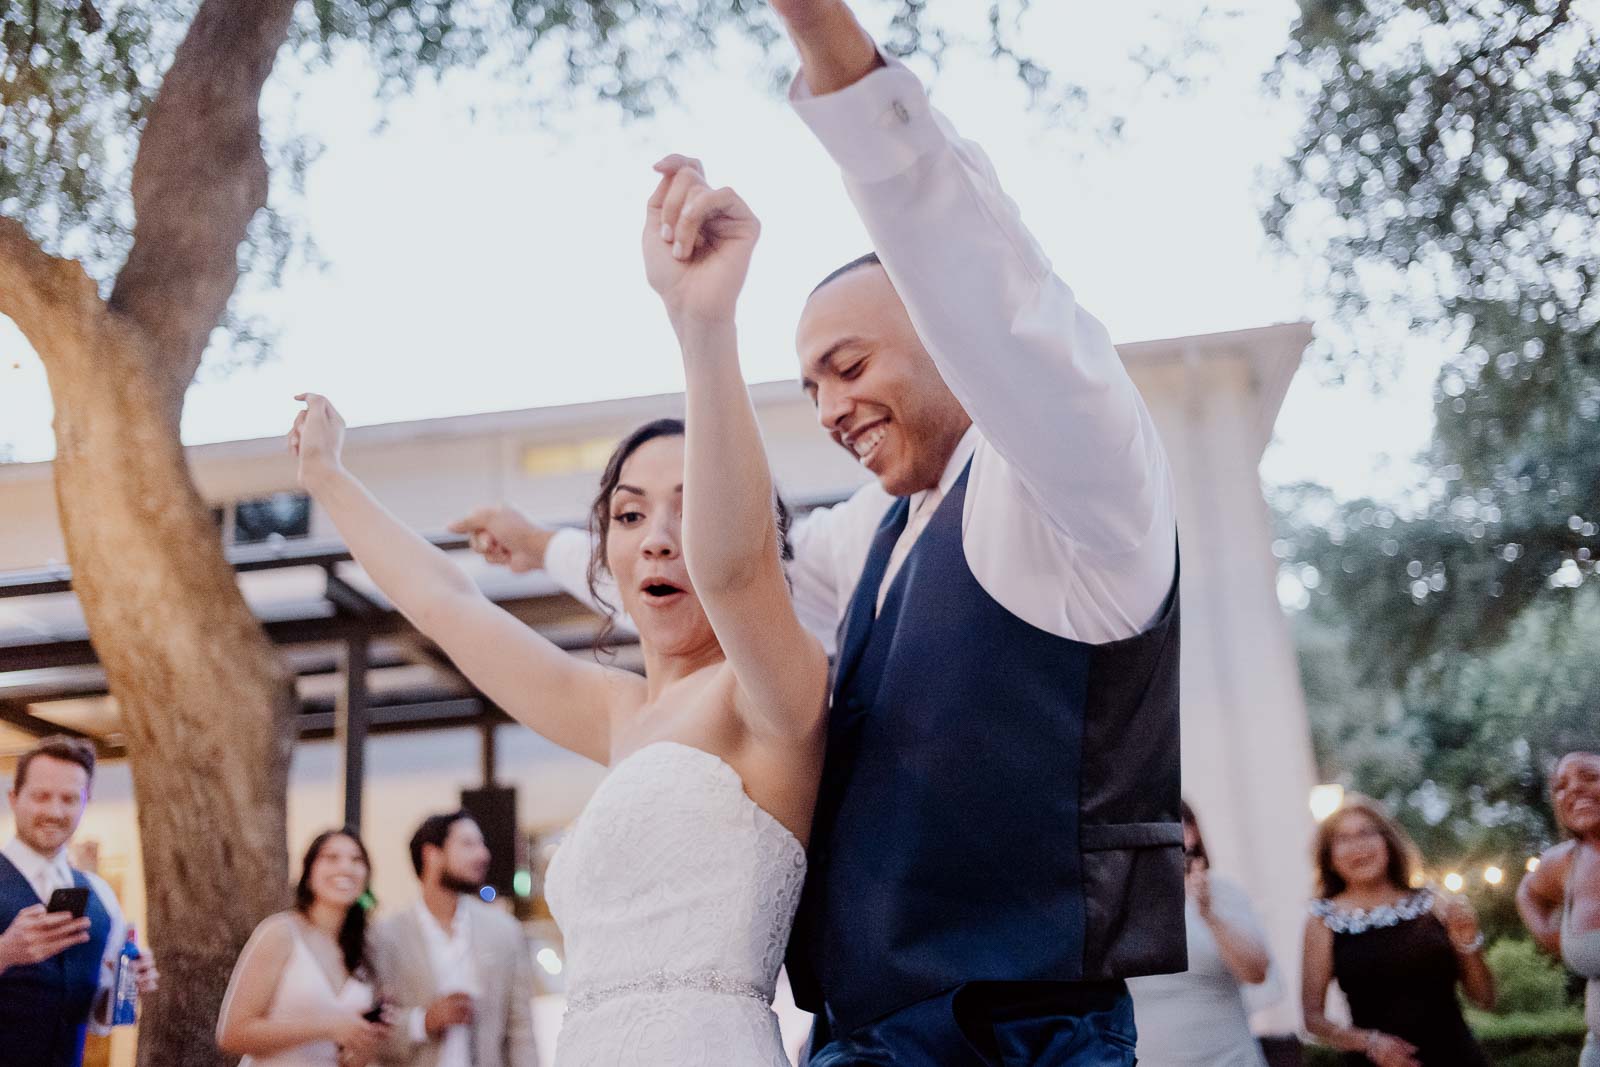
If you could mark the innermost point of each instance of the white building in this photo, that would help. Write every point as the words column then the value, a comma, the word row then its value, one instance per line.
column 1246, row 744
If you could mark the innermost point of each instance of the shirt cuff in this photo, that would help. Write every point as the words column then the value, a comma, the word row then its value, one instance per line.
column 876, row 128
column 419, row 1026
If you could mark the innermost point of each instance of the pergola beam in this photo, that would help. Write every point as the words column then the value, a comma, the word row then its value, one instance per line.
column 266, row 556
column 345, row 617
column 16, row 715
column 397, row 718
column 348, row 600
column 350, row 728
column 76, row 651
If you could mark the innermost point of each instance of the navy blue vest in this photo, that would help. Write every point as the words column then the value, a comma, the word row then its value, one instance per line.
column 44, row 1007
column 998, row 803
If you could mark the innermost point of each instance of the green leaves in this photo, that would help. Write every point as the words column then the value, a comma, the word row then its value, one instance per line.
column 1448, row 175
column 1461, row 746
column 69, row 97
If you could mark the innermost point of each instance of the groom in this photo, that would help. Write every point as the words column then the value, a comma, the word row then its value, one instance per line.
column 996, row 844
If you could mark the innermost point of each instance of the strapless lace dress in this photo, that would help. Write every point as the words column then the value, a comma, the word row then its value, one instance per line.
column 675, row 893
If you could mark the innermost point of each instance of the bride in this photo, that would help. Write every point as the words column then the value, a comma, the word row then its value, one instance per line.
column 677, row 886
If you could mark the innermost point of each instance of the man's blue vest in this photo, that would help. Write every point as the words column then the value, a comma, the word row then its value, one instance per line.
column 44, row 1007
column 998, row 803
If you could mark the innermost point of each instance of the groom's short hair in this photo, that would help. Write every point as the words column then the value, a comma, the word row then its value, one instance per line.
column 869, row 260
column 433, row 831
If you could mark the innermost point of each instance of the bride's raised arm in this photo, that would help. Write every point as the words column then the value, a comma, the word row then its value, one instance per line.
column 697, row 246
column 566, row 699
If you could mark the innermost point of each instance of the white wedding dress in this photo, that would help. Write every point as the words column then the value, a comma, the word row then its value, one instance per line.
column 674, row 893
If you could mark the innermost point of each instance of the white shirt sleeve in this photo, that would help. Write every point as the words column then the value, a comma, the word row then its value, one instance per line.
column 830, row 548
column 566, row 561
column 1036, row 372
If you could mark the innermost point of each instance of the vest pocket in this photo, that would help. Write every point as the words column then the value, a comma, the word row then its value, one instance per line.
column 1130, row 835
column 1133, row 899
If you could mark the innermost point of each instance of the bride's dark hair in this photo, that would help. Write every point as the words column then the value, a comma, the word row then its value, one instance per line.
column 600, row 515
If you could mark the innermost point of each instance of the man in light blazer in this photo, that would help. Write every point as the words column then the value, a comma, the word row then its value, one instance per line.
column 454, row 971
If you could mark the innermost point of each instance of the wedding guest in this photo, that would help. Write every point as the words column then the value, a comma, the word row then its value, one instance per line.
column 1198, row 1018
column 456, row 970
column 303, row 986
column 1560, row 898
column 56, row 971
column 1398, row 953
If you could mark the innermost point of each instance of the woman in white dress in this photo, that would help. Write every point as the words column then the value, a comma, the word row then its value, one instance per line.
column 1560, row 897
column 302, row 984
column 676, row 889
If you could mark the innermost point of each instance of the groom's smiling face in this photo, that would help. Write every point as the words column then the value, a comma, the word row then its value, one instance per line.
column 877, row 391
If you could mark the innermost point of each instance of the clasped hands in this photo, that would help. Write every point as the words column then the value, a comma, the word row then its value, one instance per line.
column 697, row 244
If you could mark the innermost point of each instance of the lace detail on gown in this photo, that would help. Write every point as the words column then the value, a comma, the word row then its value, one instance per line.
column 675, row 893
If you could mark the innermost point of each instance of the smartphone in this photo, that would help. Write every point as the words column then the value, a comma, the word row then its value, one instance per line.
column 75, row 900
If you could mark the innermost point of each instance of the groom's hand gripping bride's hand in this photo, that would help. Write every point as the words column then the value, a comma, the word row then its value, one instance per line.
column 697, row 244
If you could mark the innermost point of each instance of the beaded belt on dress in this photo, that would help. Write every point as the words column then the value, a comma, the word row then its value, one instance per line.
column 660, row 981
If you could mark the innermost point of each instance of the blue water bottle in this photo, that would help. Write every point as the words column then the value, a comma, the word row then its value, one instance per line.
column 125, row 1008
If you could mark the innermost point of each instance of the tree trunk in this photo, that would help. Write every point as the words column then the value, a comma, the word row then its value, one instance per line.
column 206, row 705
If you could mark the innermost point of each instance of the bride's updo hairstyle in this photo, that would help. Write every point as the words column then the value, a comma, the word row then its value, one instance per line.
column 600, row 515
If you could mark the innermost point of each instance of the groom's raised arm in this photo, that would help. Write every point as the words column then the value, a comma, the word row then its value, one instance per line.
column 1036, row 372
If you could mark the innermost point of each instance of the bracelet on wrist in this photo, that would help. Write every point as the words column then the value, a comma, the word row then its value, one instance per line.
column 1469, row 947
column 1372, row 1036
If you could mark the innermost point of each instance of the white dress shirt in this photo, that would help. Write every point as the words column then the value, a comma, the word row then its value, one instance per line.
column 454, row 971
column 1070, row 516
column 46, row 874
column 921, row 508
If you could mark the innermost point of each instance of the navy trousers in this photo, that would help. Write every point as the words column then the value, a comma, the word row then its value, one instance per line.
column 994, row 1024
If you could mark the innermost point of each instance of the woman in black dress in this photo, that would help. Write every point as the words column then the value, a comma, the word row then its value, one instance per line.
column 1397, row 953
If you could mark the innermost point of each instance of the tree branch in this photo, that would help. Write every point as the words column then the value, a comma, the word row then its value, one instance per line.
column 1444, row 87
column 198, row 180
column 37, row 289
column 1558, row 18
column 91, row 16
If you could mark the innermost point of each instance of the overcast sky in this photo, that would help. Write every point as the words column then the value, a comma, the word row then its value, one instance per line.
column 493, row 264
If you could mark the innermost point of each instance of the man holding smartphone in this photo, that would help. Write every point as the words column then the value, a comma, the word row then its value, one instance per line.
column 61, row 929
